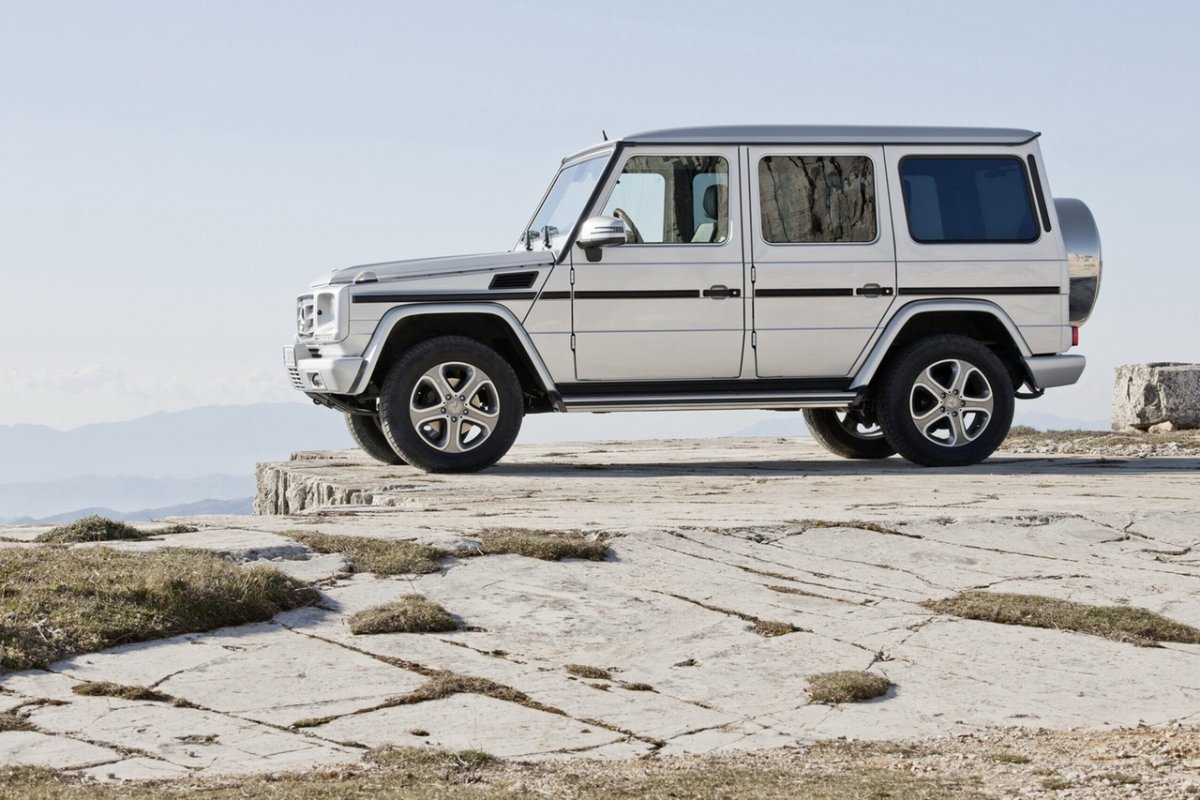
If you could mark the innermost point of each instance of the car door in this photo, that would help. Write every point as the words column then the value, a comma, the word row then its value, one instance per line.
column 823, row 257
column 668, row 305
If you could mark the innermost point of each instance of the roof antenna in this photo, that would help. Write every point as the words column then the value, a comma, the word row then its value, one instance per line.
column 604, row 133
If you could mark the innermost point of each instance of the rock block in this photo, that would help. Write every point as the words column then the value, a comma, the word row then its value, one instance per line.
column 1146, row 395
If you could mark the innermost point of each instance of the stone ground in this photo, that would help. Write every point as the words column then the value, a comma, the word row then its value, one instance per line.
column 706, row 537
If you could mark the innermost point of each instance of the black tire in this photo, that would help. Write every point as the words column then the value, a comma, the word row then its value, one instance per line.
column 844, row 436
column 951, row 437
column 368, row 435
column 489, row 413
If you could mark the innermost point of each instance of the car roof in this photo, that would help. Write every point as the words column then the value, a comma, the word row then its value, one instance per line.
column 832, row 134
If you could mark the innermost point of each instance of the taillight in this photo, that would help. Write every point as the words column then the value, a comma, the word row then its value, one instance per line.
column 1074, row 336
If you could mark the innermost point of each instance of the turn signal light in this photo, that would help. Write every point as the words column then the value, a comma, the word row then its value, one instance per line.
column 1074, row 336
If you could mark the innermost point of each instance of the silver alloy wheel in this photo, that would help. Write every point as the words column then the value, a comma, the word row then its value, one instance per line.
column 951, row 402
column 454, row 407
column 854, row 426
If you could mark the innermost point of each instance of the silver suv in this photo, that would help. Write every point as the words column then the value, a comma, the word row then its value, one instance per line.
column 901, row 286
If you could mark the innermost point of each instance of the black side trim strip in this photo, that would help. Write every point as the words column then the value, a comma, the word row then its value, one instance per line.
column 637, row 295
column 803, row 292
column 555, row 296
column 1037, row 190
column 979, row 290
column 443, row 297
column 597, row 388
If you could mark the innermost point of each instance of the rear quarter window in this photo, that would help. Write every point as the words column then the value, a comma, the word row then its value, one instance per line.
column 976, row 199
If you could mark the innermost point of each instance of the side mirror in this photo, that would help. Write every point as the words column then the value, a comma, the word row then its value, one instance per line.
column 601, row 231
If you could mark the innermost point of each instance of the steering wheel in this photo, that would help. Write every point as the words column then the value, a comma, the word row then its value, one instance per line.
column 636, row 235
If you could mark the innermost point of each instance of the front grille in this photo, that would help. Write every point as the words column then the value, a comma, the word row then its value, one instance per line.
column 306, row 316
column 297, row 381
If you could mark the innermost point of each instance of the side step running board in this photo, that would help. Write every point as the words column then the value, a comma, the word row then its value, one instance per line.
column 697, row 402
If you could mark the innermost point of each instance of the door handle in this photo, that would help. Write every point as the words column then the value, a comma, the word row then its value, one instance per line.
column 720, row 292
column 873, row 290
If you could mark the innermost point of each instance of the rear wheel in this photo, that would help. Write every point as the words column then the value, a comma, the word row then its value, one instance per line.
column 945, row 401
column 451, row 404
column 847, row 434
column 368, row 435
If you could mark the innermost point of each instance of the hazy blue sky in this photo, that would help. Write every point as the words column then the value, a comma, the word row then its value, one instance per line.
column 173, row 173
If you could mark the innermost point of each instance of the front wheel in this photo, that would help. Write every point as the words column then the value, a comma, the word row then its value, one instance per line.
column 847, row 434
column 945, row 401
column 451, row 404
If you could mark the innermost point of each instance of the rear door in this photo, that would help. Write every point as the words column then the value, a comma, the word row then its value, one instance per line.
column 823, row 256
column 670, row 305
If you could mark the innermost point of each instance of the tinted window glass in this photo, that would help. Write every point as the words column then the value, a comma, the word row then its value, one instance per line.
column 967, row 200
column 817, row 199
column 673, row 199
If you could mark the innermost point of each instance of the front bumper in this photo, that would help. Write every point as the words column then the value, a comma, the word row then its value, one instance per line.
column 1048, row 371
column 322, row 375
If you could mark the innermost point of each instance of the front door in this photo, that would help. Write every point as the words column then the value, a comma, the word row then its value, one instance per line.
column 823, row 256
column 669, row 304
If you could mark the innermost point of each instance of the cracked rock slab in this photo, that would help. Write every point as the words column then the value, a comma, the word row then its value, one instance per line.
column 472, row 722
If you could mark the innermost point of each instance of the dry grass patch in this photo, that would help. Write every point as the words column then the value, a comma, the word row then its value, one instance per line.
column 109, row 689
column 418, row 773
column 545, row 545
column 1119, row 623
column 410, row 614
column 591, row 673
column 57, row 602
column 380, row 556
column 443, row 683
column 11, row 722
column 846, row 686
column 91, row 529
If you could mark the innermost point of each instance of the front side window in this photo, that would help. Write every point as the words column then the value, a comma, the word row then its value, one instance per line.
column 567, row 196
column 817, row 199
column 967, row 200
column 673, row 199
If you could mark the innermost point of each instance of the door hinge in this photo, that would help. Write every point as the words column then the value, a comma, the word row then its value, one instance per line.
column 572, row 341
column 754, row 338
column 572, row 276
column 753, row 274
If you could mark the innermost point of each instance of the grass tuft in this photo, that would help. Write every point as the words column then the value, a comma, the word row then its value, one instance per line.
column 178, row 527
column 410, row 614
column 380, row 556
column 109, row 689
column 591, row 673
column 11, row 722
column 91, row 529
column 1119, row 623
column 542, row 544
column 58, row 602
column 443, row 683
column 846, row 686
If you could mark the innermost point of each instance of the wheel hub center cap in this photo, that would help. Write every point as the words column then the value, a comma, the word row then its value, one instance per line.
column 953, row 403
column 455, row 407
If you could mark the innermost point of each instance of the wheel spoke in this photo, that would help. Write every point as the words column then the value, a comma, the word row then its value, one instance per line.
column 437, row 376
column 958, row 432
column 930, row 384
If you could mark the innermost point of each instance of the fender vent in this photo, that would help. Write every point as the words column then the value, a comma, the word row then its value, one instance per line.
column 513, row 280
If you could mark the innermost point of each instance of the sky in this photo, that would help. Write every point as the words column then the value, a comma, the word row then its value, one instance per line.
column 172, row 174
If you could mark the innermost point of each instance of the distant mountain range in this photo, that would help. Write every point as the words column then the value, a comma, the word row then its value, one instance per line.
column 158, row 464
column 242, row 505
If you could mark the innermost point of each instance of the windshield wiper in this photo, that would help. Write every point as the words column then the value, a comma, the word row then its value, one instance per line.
column 546, row 232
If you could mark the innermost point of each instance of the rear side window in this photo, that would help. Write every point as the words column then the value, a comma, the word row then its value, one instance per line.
column 967, row 200
column 817, row 199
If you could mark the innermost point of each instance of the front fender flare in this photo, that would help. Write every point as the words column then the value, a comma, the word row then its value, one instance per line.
column 393, row 317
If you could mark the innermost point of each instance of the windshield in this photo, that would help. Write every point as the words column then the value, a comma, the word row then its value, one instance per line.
column 566, row 198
